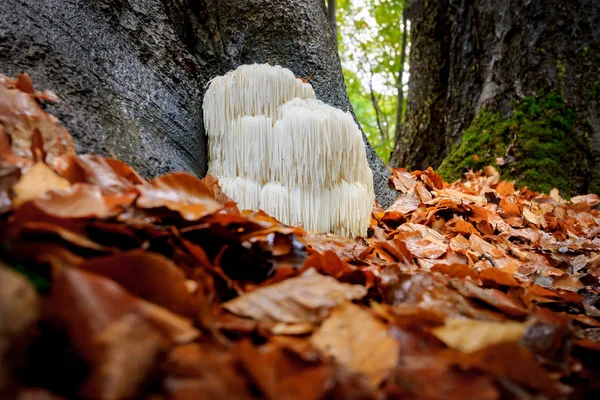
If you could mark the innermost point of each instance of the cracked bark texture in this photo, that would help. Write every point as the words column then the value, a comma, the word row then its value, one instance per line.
column 467, row 55
column 132, row 74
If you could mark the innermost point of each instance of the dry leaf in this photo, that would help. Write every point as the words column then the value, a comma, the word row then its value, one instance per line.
column 305, row 298
column 358, row 341
column 469, row 335
column 22, row 119
column 283, row 373
column 38, row 180
column 181, row 192
column 204, row 371
column 79, row 201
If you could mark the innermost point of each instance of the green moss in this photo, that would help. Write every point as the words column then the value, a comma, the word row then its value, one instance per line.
column 538, row 140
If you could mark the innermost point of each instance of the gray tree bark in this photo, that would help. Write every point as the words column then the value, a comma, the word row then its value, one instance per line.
column 331, row 16
column 132, row 74
column 471, row 55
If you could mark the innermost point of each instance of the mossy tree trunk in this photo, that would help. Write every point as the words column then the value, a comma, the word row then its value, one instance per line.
column 522, row 78
column 132, row 73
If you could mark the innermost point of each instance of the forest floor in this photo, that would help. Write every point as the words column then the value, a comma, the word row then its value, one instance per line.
column 113, row 286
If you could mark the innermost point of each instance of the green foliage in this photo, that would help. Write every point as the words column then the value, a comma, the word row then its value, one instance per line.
column 370, row 39
column 538, row 139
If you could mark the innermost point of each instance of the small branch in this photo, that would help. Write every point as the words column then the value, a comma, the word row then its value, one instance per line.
column 382, row 129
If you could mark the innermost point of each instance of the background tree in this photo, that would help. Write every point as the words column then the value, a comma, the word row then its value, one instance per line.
column 132, row 74
column 511, row 83
column 331, row 16
column 373, row 45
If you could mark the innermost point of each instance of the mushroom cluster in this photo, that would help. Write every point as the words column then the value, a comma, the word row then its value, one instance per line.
column 274, row 147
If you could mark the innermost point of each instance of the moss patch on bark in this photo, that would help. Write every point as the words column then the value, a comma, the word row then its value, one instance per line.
column 536, row 146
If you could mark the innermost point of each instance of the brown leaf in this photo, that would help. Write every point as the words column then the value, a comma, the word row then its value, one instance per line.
column 106, row 173
column 469, row 335
column 38, row 180
column 357, row 340
column 163, row 282
column 493, row 297
column 79, row 201
column 405, row 203
column 591, row 199
column 403, row 180
column 212, row 183
column 281, row 372
column 130, row 346
column 74, row 238
column 305, row 298
column 181, row 192
column 511, row 361
column 204, row 371
column 21, row 116
column 88, row 304
column 505, row 189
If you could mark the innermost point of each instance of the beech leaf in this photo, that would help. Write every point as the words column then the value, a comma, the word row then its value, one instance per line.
column 469, row 335
column 38, row 180
column 360, row 342
column 305, row 298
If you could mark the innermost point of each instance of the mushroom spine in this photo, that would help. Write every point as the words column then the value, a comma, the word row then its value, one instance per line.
column 274, row 147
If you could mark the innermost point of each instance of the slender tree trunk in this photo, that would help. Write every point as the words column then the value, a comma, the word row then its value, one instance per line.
column 331, row 17
column 400, row 87
column 419, row 143
column 383, row 130
column 399, row 84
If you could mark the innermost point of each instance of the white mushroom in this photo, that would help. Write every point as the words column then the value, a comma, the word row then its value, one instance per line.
column 274, row 147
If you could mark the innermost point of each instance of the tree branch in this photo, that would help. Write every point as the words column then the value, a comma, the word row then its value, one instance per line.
column 382, row 128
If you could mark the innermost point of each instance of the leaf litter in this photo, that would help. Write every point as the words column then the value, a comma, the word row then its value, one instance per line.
column 116, row 287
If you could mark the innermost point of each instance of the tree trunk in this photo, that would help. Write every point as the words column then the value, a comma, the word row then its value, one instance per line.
column 132, row 74
column 487, row 59
column 419, row 145
column 331, row 17
column 379, row 117
column 399, row 84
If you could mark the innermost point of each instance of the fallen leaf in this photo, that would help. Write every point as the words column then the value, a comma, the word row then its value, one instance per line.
column 38, row 180
column 282, row 373
column 130, row 346
column 357, row 340
column 505, row 189
column 469, row 335
column 511, row 361
column 181, row 192
column 162, row 284
column 79, row 201
column 21, row 117
column 204, row 371
column 305, row 298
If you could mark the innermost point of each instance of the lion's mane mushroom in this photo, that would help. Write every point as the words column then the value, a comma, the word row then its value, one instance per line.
column 274, row 147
